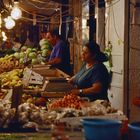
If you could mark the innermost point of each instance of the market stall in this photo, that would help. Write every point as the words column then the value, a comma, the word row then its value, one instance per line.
column 36, row 98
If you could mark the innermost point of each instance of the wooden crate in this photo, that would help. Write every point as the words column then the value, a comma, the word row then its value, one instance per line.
column 57, row 86
column 31, row 77
column 55, row 82
column 41, row 65
column 50, row 72
column 53, row 94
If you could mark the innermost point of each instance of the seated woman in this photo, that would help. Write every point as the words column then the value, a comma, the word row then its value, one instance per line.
column 92, row 81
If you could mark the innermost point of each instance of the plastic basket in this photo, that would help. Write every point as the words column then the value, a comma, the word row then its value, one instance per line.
column 101, row 129
column 134, row 131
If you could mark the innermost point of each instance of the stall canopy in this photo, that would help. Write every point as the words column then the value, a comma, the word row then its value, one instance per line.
column 42, row 7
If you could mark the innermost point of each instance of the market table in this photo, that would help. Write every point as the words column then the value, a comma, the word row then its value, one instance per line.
column 40, row 136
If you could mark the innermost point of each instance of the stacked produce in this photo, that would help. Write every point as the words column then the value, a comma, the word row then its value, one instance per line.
column 27, row 54
column 70, row 101
column 8, row 63
column 98, row 107
column 45, row 48
column 6, row 114
column 31, row 116
column 28, row 115
column 12, row 78
column 38, row 101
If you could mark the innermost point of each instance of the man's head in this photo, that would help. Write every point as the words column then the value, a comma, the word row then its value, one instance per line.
column 53, row 36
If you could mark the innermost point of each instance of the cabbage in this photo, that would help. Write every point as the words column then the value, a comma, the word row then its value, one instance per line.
column 22, row 55
column 45, row 53
column 45, row 47
column 17, row 55
column 32, row 55
column 43, row 42
column 21, row 60
column 34, row 49
column 28, row 50
column 24, row 48
column 34, row 61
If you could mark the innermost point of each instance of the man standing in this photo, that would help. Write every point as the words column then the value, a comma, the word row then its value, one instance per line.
column 60, row 55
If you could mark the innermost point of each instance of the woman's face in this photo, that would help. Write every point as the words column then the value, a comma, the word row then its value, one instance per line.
column 86, row 55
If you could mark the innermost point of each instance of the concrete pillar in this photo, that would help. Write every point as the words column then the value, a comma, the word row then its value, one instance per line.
column 77, row 33
column 100, row 34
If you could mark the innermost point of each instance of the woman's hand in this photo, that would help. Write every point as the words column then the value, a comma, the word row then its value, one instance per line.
column 70, row 80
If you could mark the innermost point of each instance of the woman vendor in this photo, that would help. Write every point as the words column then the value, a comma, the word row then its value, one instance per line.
column 92, row 80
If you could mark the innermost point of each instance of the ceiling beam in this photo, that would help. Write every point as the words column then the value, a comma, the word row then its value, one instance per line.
column 58, row 1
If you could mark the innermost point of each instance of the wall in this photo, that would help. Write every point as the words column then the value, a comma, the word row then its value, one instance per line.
column 115, row 35
column 134, row 57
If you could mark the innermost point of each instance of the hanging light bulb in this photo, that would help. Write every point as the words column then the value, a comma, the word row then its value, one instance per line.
column 4, row 36
column 16, row 13
column 9, row 22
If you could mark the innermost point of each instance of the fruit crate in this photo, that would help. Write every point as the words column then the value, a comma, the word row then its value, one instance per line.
column 56, row 87
column 50, row 89
column 46, row 71
column 31, row 77
column 53, row 84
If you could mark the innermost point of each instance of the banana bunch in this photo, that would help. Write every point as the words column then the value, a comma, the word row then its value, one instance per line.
column 8, row 63
column 11, row 79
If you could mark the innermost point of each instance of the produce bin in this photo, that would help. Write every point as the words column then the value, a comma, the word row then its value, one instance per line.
column 101, row 129
column 134, row 131
column 50, row 72
column 55, row 88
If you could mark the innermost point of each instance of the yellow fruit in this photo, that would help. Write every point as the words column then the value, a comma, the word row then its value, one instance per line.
column 16, row 78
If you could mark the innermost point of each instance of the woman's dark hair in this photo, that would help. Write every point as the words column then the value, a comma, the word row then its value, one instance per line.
column 94, row 49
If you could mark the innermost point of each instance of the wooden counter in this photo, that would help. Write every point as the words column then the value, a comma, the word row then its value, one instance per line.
column 46, row 135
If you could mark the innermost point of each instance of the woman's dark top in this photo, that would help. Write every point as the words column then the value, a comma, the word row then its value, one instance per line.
column 85, row 78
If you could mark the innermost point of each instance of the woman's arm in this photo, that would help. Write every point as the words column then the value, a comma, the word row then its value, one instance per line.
column 95, row 88
column 71, row 79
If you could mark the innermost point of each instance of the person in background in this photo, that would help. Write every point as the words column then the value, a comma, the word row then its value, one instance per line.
column 60, row 55
column 16, row 44
column 29, row 42
column 92, row 80
column 7, row 50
